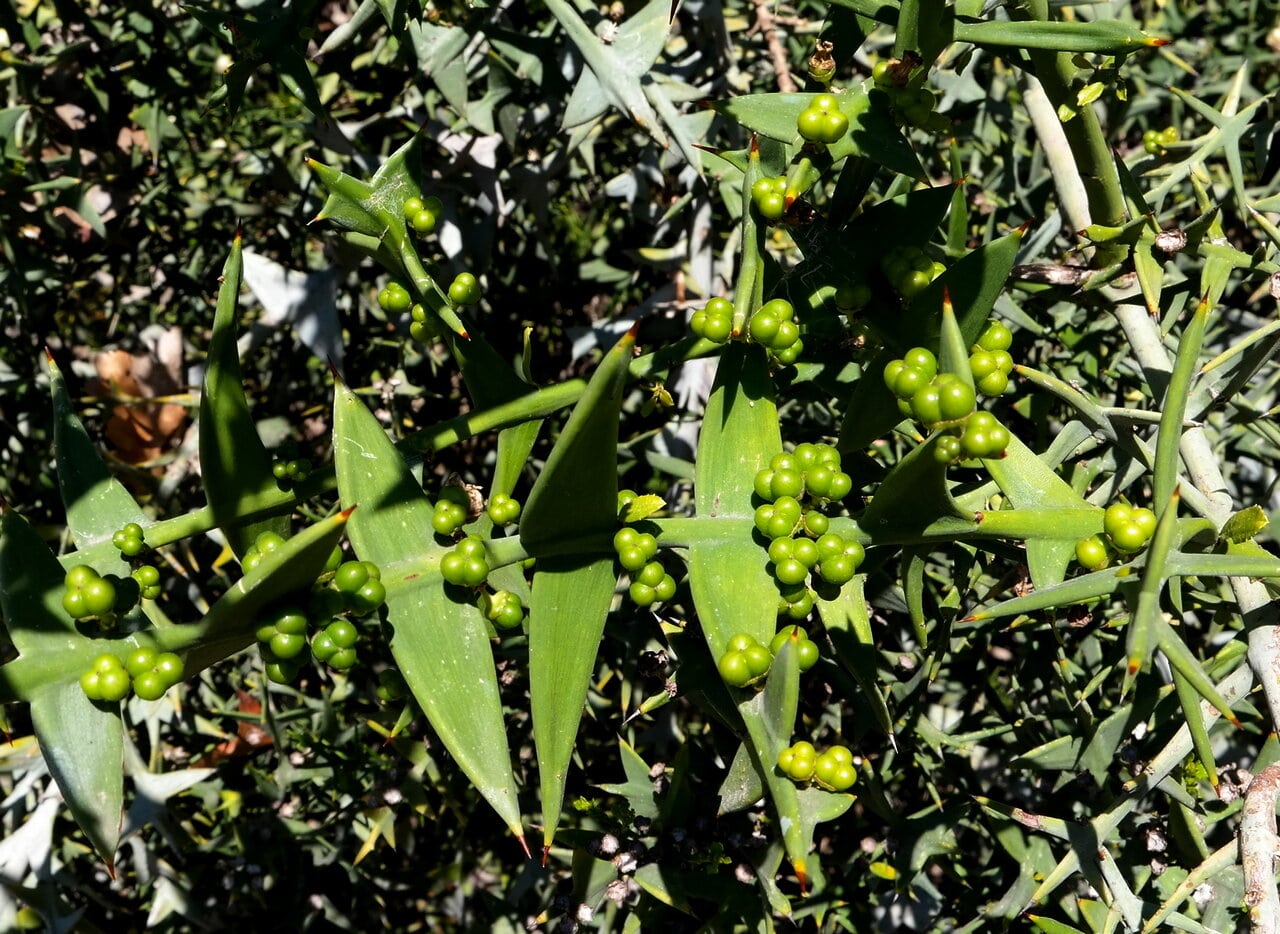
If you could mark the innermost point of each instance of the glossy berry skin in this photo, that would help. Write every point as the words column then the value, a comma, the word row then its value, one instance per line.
column 139, row 660
column 148, row 579
column 447, row 517
column 502, row 509
column 170, row 667
column 350, row 577
column 1129, row 538
column 734, row 669
column 129, row 540
column 806, row 649
column 823, row 121
column 149, row 686
column 99, row 597
column 503, row 609
column 798, row 761
column 1092, row 553
column 834, row 769
column 464, row 290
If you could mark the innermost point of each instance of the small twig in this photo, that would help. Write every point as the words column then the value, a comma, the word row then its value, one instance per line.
column 777, row 54
column 1259, row 847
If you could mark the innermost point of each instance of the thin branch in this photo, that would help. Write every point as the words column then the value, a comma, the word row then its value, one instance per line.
column 777, row 54
column 1259, row 848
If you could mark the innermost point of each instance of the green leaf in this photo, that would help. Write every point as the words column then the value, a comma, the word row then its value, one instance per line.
column 742, row 785
column 732, row 588
column 31, row 585
column 83, row 745
column 642, row 507
column 235, row 466
column 638, row 788
column 770, row 717
column 441, row 646
column 1244, row 525
column 848, row 623
column 1029, row 483
column 872, row 130
column 912, row 497
column 97, row 504
column 1106, row 36
column 567, row 612
column 576, row 495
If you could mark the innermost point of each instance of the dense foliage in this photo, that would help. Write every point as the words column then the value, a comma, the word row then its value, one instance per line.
column 770, row 461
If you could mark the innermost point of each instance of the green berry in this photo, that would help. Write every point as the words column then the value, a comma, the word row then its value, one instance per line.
column 763, row 327
column 139, row 660
column 350, row 577
column 73, row 603
column 997, row 336
column 758, row 659
column 170, row 667
column 665, row 589
column 734, row 669
column 343, row 633
column 149, row 686
column 993, row 384
column 113, row 684
column 1129, row 538
column 641, row 594
column 342, row 660
column 791, row 571
column 1092, row 553
column 373, row 595
column 99, row 597
column 464, row 290
column 651, row 574
column 285, row 645
column 283, row 671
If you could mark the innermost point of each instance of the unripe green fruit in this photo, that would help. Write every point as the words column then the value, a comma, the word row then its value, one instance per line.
column 465, row 289
column 1092, row 553
column 351, row 576
column 149, row 686
column 170, row 667
column 139, row 660
column 791, row 571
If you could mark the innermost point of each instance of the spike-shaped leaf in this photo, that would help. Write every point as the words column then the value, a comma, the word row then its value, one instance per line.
column 235, row 466
column 441, row 646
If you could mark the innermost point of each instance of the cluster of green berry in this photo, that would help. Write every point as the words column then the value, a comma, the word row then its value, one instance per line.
column 423, row 214
column 799, row 539
column 833, row 769
column 465, row 289
column 355, row 589
column 502, row 608
column 467, row 565
column 503, row 509
column 773, row 326
column 823, row 121
column 1127, row 529
column 424, row 326
column 451, row 510
column 912, row 106
column 263, row 545
column 128, row 540
column 638, row 553
column 89, row 595
column 289, row 471
column 936, row 400
column 910, row 270
column 1156, row 142
column 714, row 321
column 769, row 195
column 990, row 361
column 149, row 673
column 746, row 661
column 131, row 544
column 945, row 401
column 811, row 470
column 852, row 297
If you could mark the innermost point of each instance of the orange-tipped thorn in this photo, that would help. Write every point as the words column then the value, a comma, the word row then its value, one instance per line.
column 524, row 845
column 546, row 850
